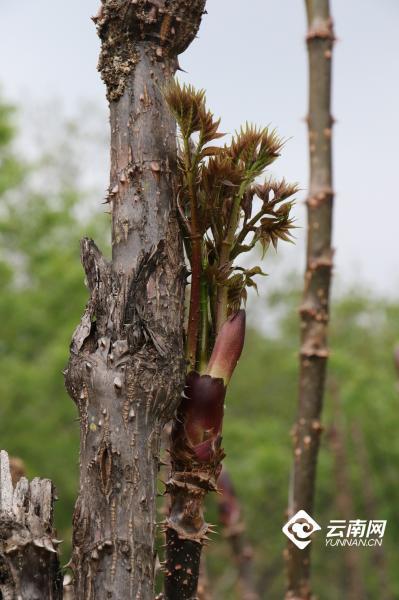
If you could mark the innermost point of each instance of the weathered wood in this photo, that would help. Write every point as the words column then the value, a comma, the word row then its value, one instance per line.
column 29, row 566
column 127, row 363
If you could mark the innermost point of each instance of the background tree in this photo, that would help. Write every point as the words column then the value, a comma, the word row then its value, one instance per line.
column 314, row 310
column 344, row 500
column 234, row 530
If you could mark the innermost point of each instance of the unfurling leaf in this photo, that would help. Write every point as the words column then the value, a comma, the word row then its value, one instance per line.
column 220, row 170
column 273, row 192
column 255, row 148
column 209, row 127
column 237, row 294
column 274, row 229
column 255, row 271
column 188, row 106
column 211, row 151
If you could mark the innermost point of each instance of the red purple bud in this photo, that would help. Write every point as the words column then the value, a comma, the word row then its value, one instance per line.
column 201, row 414
column 228, row 347
column 204, row 410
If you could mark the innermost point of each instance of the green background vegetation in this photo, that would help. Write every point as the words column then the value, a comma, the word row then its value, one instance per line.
column 42, row 218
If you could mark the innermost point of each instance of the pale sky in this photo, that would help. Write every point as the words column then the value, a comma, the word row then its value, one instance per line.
column 250, row 56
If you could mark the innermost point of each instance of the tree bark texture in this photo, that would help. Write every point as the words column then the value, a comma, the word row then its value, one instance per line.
column 126, row 366
column 29, row 566
column 314, row 310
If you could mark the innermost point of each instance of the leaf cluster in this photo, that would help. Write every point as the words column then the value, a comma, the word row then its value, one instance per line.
column 218, row 196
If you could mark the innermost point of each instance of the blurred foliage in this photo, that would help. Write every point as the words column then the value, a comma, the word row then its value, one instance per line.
column 42, row 296
column 41, row 300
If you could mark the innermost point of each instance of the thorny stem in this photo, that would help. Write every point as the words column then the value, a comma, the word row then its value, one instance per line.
column 315, row 306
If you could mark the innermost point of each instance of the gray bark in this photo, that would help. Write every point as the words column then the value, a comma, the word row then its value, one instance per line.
column 127, row 363
column 29, row 566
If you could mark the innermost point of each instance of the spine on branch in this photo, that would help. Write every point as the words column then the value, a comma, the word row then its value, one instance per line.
column 215, row 191
column 314, row 311
column 126, row 368
column 29, row 565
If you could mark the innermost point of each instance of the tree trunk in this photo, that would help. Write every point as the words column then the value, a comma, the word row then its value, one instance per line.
column 231, row 517
column 126, row 367
column 314, row 310
column 353, row 576
column 378, row 559
column 29, row 566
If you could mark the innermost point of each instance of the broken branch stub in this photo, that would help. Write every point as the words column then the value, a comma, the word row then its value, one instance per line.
column 29, row 564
